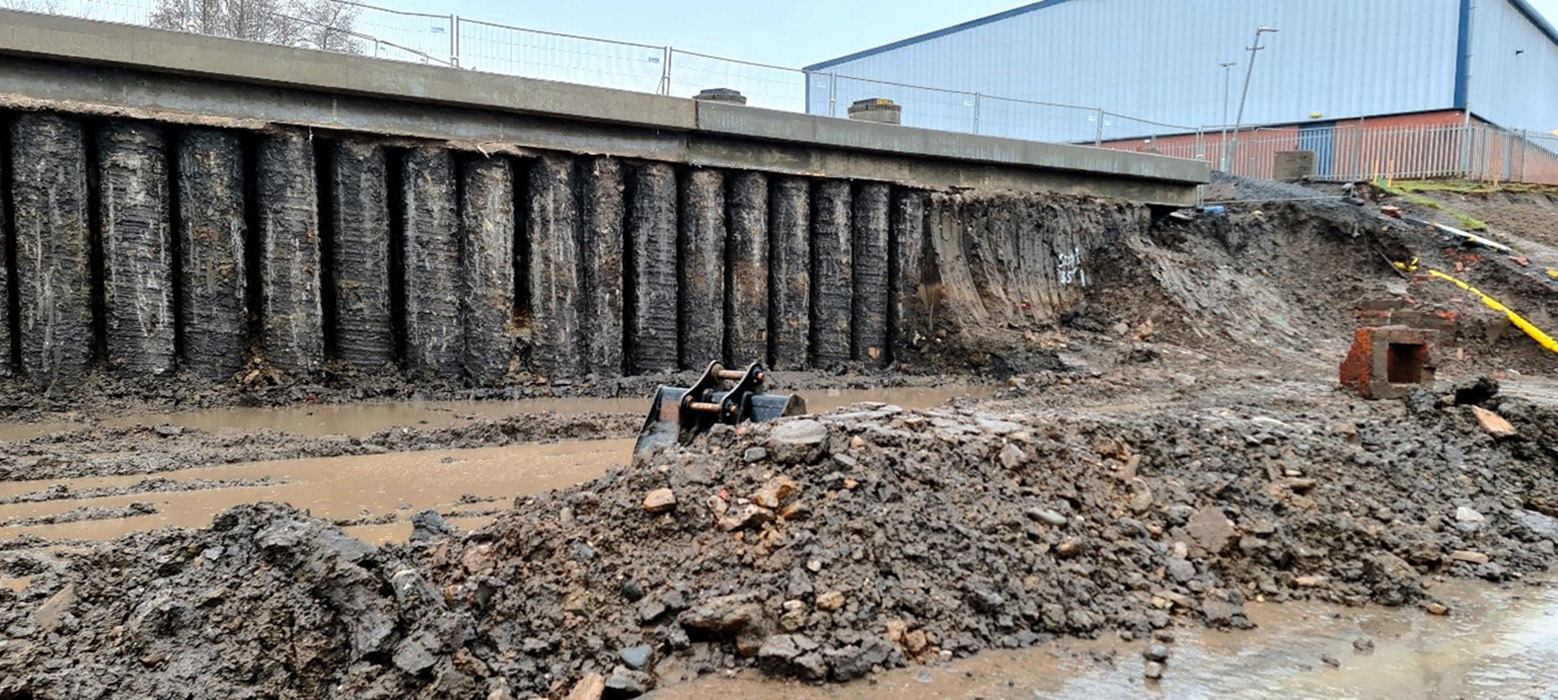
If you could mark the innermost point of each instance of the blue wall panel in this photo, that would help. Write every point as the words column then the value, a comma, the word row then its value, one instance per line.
column 1158, row 60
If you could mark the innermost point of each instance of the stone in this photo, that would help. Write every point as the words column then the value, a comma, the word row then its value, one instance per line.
column 853, row 662
column 1363, row 645
column 749, row 515
column 169, row 430
column 627, row 683
column 1467, row 515
column 660, row 501
column 1331, row 661
column 1069, row 548
column 49, row 614
column 1181, row 570
column 779, row 652
column 1153, row 670
column 1493, row 423
column 417, row 653
column 1437, row 609
column 776, row 492
column 1156, row 652
column 636, row 657
column 830, row 601
column 429, row 525
column 1046, row 515
column 1472, row 557
column 799, row 441
column 1537, row 524
column 754, row 454
column 1141, row 495
column 590, row 687
column 1211, row 530
column 731, row 616
column 1013, row 456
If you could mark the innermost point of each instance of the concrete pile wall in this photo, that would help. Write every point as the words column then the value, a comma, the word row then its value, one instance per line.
column 145, row 249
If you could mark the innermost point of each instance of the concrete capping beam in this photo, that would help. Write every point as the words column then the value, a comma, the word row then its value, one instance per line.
column 103, row 43
column 774, row 125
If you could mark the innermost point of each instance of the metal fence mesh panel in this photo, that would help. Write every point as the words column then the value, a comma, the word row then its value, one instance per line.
column 772, row 87
column 1343, row 151
column 944, row 110
column 496, row 48
column 413, row 36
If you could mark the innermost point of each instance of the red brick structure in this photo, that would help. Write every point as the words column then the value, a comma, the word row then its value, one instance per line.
column 1386, row 362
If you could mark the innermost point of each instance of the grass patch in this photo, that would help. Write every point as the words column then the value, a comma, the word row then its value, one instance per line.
column 1410, row 192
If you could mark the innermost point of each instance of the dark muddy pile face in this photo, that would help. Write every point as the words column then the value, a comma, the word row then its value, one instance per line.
column 817, row 548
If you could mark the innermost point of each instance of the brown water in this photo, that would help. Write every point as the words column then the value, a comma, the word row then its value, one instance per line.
column 346, row 488
column 362, row 419
column 336, row 488
column 1498, row 643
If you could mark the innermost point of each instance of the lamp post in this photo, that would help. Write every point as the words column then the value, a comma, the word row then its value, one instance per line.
column 1227, row 83
column 1249, row 71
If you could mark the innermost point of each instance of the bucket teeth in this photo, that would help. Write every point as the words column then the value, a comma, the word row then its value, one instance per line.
column 721, row 396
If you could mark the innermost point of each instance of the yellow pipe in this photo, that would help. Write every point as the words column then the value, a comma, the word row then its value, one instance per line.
column 1536, row 334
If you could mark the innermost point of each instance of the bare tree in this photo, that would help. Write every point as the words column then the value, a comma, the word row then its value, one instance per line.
column 51, row 7
column 314, row 24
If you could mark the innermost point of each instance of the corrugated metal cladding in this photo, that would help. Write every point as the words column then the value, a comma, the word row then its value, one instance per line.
column 1513, row 80
column 1158, row 60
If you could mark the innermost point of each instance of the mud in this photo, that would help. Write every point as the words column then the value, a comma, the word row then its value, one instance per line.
column 905, row 534
column 1168, row 453
column 1498, row 644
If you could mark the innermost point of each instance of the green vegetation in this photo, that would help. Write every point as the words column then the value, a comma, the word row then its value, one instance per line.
column 1409, row 190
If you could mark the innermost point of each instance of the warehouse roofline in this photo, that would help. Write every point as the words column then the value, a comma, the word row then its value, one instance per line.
column 1522, row 6
column 1025, row 9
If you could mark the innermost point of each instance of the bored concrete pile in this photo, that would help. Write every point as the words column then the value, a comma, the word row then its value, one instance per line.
column 818, row 548
column 146, row 249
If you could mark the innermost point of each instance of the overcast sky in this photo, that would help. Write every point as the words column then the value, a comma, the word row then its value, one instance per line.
column 784, row 32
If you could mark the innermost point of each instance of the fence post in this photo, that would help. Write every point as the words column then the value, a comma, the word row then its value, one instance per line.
column 454, row 40
column 976, row 113
column 1098, row 136
column 665, row 70
column 1525, row 142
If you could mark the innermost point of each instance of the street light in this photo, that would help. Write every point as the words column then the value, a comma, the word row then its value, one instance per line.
column 1226, row 84
column 1249, row 70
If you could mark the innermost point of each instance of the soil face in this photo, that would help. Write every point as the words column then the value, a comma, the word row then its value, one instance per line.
column 1173, row 454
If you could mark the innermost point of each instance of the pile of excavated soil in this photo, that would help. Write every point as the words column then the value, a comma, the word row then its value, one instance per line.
column 818, row 548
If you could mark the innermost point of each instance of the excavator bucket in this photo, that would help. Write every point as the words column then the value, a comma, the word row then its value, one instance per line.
column 720, row 396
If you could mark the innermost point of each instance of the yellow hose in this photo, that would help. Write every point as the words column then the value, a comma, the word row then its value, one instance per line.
column 1536, row 334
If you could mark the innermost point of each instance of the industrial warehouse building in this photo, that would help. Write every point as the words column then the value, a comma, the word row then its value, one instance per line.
column 1462, row 80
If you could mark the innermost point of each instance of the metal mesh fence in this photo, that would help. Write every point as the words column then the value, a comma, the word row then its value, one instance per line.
column 497, row 48
column 773, row 87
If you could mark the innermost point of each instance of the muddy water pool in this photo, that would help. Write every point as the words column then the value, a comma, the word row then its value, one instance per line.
column 386, row 487
column 1498, row 642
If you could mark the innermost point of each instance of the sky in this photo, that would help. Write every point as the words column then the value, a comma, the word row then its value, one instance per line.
column 789, row 33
